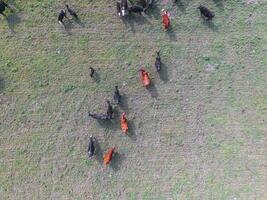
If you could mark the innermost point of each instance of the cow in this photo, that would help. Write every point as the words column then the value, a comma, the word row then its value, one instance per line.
column 146, row 4
column 108, row 156
column 119, row 9
column 124, row 123
column 145, row 77
column 61, row 16
column 91, row 147
column 136, row 9
column 109, row 110
column 3, row 7
column 206, row 12
column 165, row 18
column 72, row 12
column 158, row 62
column 92, row 72
column 117, row 95
column 124, row 7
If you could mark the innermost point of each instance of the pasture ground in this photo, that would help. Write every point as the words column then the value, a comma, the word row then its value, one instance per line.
column 198, row 133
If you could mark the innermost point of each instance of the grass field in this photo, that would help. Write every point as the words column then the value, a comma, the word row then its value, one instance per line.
column 199, row 133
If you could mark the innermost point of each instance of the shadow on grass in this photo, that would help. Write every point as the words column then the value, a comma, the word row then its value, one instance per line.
column 170, row 32
column 132, row 129
column 2, row 84
column 12, row 20
column 210, row 25
column 96, row 77
column 99, row 152
column 116, row 161
column 152, row 90
column 68, row 27
column 132, row 19
column 124, row 103
column 112, row 124
column 163, row 74
column 79, row 22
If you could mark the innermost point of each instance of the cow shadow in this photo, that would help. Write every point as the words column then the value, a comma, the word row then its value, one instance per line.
column 131, row 132
column 134, row 19
column 99, row 152
column 210, row 25
column 171, row 33
column 163, row 74
column 12, row 20
column 152, row 90
column 96, row 77
column 112, row 123
column 2, row 84
column 124, row 103
column 79, row 22
column 117, row 161
column 68, row 27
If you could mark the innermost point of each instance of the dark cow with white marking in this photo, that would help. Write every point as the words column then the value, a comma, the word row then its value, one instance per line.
column 62, row 14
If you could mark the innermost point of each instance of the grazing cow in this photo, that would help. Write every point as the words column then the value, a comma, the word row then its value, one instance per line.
column 146, row 4
column 117, row 95
column 119, row 9
column 124, row 123
column 165, row 18
column 109, row 110
column 3, row 6
column 91, row 147
column 206, row 12
column 61, row 16
column 99, row 116
column 136, row 9
column 92, row 72
column 108, row 156
column 124, row 7
column 145, row 77
column 72, row 12
column 158, row 62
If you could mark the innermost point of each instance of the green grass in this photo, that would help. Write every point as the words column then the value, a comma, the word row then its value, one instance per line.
column 198, row 134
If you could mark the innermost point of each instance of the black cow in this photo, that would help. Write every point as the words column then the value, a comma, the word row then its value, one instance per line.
column 136, row 9
column 91, row 147
column 117, row 96
column 206, row 12
column 92, row 72
column 61, row 16
column 124, row 7
column 109, row 110
column 3, row 6
column 72, row 12
column 158, row 62
column 118, row 8
column 146, row 4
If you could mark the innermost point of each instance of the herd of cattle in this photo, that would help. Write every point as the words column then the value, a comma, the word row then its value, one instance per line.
column 123, row 9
